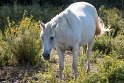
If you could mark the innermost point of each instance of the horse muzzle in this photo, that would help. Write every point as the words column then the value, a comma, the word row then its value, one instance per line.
column 46, row 56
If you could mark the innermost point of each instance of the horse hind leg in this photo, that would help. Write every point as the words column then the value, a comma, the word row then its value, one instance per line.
column 89, row 51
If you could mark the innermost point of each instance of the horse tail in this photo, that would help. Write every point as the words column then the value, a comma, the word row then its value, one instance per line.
column 100, row 27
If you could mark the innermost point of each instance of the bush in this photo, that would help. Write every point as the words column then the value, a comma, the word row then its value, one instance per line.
column 109, row 70
column 118, row 46
column 6, row 57
column 113, row 39
column 24, row 41
column 107, row 45
column 113, row 69
column 116, row 23
column 103, row 44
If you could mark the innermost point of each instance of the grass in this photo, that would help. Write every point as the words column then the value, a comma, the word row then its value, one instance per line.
column 21, row 45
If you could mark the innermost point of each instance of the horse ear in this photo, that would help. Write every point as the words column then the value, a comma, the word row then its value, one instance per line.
column 54, row 25
column 42, row 25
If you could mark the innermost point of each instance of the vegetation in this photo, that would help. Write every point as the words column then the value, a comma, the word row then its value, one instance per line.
column 20, row 44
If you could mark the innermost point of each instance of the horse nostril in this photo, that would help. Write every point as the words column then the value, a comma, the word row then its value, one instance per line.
column 46, row 56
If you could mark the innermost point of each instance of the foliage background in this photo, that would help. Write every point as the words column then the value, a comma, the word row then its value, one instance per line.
column 20, row 42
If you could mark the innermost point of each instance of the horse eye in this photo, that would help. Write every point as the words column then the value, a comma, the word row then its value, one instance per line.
column 51, row 38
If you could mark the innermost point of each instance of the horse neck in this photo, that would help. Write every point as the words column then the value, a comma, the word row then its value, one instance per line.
column 57, row 17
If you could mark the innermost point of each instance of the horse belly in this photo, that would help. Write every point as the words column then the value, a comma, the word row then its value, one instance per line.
column 86, row 39
column 88, row 29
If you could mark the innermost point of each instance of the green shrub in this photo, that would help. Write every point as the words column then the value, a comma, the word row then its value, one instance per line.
column 113, row 69
column 109, row 70
column 6, row 57
column 24, row 41
column 113, row 18
column 118, row 46
column 103, row 44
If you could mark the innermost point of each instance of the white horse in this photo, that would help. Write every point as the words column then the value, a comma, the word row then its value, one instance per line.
column 76, row 26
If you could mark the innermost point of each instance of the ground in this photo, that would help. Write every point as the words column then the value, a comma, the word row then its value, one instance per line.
column 23, row 73
column 18, row 73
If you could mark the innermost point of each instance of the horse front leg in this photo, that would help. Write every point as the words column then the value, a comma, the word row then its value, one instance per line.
column 61, row 62
column 75, row 54
column 89, row 51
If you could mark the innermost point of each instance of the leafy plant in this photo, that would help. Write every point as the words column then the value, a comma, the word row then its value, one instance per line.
column 116, row 23
column 24, row 41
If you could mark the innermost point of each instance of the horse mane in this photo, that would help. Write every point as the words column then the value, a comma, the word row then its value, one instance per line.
column 58, row 18
column 62, row 24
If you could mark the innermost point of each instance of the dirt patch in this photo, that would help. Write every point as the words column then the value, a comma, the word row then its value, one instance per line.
column 17, row 73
